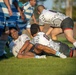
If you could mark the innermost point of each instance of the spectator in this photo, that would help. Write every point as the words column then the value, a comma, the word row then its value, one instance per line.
column 28, row 9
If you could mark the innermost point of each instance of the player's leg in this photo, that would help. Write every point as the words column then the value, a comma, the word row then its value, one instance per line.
column 30, row 55
column 26, row 55
column 41, row 28
column 67, row 26
column 65, row 49
column 69, row 35
column 55, row 32
column 74, row 53
column 49, row 50
column 45, row 49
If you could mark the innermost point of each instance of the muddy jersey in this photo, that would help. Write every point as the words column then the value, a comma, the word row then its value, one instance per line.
column 42, row 38
column 50, row 17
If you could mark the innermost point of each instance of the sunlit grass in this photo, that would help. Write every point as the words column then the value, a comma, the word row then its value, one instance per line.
column 50, row 66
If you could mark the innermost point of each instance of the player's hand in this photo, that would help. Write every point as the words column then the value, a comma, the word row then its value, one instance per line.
column 25, row 21
column 10, row 12
column 22, row 16
column 20, row 52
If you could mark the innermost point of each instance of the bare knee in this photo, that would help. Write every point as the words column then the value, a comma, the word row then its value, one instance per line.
column 53, row 36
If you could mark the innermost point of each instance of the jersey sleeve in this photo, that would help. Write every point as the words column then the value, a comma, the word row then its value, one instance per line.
column 26, row 5
column 35, row 40
column 24, row 38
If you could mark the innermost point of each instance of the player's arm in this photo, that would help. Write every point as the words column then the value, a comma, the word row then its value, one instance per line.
column 30, row 46
column 41, row 23
column 34, row 19
column 26, row 44
column 45, row 48
column 49, row 31
column 8, row 6
column 18, row 8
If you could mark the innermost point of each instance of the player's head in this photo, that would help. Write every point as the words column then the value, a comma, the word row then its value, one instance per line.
column 13, row 32
column 32, row 2
column 40, row 8
column 34, row 29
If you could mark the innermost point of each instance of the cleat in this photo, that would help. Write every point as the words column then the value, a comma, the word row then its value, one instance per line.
column 62, row 56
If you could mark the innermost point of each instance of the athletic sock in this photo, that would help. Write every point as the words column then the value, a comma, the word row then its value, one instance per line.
column 36, row 56
column 57, row 53
column 40, row 57
column 74, row 43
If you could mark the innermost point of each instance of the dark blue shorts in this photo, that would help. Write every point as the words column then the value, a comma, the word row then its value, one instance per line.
column 67, row 24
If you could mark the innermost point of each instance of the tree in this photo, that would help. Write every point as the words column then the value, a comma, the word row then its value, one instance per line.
column 67, row 7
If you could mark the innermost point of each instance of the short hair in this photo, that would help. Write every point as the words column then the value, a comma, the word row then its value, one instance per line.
column 10, row 28
column 34, row 29
column 39, row 7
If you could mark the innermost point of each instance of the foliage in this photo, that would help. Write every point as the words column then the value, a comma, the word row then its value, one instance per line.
column 58, row 5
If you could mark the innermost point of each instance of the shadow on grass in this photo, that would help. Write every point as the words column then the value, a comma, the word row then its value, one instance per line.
column 6, row 56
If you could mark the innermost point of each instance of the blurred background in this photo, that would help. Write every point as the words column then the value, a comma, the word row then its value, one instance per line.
column 67, row 7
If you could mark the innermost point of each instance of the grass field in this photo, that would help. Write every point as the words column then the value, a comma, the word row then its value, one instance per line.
column 49, row 66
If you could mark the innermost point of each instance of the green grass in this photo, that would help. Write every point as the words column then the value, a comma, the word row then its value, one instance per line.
column 64, row 40
column 49, row 66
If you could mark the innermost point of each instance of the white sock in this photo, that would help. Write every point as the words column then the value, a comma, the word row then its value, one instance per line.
column 37, row 56
column 57, row 53
column 74, row 44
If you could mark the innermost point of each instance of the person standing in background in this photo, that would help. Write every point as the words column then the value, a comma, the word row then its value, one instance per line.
column 28, row 9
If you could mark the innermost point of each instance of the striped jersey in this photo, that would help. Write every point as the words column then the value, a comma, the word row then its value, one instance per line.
column 28, row 10
column 2, row 46
column 14, row 19
column 4, row 9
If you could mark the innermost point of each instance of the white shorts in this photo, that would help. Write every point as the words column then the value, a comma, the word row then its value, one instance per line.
column 28, row 25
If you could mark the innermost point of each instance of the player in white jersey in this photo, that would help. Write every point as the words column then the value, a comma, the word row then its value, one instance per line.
column 43, row 39
column 20, row 45
column 22, row 48
column 59, row 23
